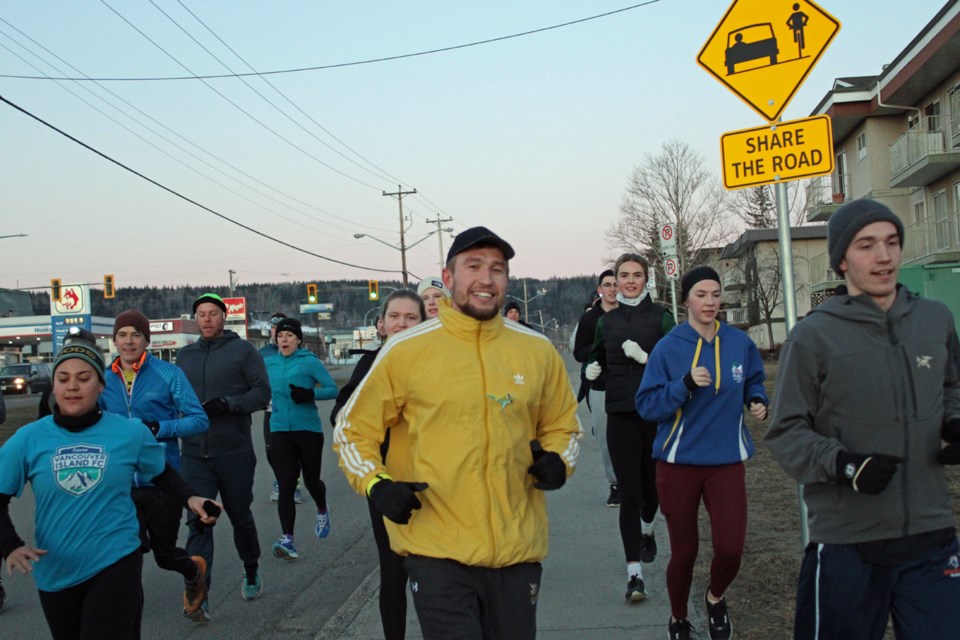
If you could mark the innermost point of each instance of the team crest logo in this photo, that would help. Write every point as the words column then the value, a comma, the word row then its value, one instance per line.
column 737, row 371
column 79, row 468
column 953, row 568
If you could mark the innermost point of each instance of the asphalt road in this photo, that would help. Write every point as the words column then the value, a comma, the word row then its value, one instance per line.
column 298, row 598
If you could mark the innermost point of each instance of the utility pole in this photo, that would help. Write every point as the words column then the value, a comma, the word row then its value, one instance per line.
column 439, row 222
column 403, row 246
column 232, row 273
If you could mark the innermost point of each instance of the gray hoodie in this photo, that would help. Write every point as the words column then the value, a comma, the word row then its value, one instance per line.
column 857, row 378
column 231, row 368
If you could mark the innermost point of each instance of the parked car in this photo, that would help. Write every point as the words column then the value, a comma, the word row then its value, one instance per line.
column 27, row 377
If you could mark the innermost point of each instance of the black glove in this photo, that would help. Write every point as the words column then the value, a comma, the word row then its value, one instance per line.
column 396, row 500
column 301, row 394
column 548, row 468
column 153, row 425
column 868, row 474
column 950, row 432
column 216, row 406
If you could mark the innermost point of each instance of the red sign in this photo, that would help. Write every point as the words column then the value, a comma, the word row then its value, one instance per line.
column 236, row 308
column 666, row 231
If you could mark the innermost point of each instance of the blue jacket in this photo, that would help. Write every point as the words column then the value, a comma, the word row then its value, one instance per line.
column 704, row 426
column 160, row 392
column 301, row 368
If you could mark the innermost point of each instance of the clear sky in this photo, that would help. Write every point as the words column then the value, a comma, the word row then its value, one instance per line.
column 534, row 137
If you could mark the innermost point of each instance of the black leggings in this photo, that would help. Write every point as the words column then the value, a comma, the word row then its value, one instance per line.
column 630, row 441
column 104, row 607
column 291, row 452
column 393, row 581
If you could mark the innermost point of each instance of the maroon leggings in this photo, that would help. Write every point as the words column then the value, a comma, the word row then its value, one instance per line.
column 724, row 492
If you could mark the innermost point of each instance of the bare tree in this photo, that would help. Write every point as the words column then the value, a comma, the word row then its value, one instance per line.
column 763, row 276
column 672, row 187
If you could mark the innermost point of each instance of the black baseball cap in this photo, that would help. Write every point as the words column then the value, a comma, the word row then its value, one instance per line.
column 479, row 237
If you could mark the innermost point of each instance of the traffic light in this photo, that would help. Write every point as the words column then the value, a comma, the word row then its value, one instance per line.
column 311, row 293
column 109, row 291
column 55, row 289
column 373, row 289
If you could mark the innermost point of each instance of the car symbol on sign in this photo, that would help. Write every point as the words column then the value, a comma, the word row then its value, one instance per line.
column 751, row 43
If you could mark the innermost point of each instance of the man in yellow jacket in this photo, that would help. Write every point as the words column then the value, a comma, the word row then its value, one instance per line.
column 488, row 419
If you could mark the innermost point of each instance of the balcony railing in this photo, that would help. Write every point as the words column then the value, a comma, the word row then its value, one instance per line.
column 825, row 194
column 932, row 235
column 820, row 270
column 912, row 147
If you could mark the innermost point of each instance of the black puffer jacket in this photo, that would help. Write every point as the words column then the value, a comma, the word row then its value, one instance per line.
column 645, row 324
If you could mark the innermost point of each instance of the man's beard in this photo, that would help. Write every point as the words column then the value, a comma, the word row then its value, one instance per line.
column 479, row 314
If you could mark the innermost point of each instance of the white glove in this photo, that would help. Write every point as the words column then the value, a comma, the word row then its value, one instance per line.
column 592, row 371
column 633, row 350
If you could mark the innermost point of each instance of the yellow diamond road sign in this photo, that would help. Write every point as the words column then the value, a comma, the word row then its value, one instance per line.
column 763, row 50
column 778, row 152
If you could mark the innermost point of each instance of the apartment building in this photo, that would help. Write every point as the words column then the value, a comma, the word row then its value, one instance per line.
column 752, row 276
column 896, row 137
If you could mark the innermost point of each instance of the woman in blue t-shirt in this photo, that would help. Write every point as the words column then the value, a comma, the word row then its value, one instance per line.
column 80, row 464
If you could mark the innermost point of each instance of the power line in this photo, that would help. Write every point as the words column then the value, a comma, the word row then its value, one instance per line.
column 354, row 63
column 183, row 197
column 179, row 147
column 238, row 107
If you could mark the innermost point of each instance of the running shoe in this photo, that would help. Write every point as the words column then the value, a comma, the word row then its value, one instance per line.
column 635, row 590
column 718, row 619
column 613, row 500
column 297, row 497
column 275, row 492
column 323, row 523
column 3, row 596
column 252, row 584
column 195, row 595
column 283, row 548
column 648, row 548
column 680, row 630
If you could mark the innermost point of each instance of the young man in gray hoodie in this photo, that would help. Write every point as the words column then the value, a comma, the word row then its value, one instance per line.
column 229, row 377
column 868, row 386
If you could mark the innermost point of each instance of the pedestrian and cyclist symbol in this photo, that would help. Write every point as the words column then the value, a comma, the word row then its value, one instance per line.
column 764, row 49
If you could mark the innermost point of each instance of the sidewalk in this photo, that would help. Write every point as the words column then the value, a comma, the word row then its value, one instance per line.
column 584, row 577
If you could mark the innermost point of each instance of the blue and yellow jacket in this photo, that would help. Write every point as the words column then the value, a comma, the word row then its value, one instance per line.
column 160, row 392
column 703, row 426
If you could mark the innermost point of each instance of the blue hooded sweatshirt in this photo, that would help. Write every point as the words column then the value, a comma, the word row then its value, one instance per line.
column 704, row 426
column 302, row 369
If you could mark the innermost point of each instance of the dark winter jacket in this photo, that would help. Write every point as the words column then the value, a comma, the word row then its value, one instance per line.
column 854, row 377
column 230, row 368
column 583, row 344
column 645, row 324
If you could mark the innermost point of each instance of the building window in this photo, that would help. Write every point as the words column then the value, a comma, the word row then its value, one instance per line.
column 913, row 121
column 862, row 145
column 932, row 113
column 941, row 233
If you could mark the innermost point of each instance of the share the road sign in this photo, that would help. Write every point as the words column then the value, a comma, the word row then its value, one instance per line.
column 777, row 152
column 763, row 50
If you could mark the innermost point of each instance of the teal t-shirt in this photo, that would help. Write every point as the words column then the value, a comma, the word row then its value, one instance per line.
column 85, row 517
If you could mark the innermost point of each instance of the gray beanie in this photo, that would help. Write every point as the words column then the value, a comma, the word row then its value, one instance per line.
column 849, row 219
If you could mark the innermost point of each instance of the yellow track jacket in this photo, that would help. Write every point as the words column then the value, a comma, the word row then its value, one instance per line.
column 465, row 398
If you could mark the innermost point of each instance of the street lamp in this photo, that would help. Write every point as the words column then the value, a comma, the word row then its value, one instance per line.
column 525, row 300
column 402, row 248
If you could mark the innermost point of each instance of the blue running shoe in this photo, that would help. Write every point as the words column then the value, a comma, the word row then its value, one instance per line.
column 252, row 584
column 323, row 523
column 297, row 497
column 283, row 548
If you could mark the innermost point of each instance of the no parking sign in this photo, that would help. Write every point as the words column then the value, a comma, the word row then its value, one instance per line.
column 671, row 266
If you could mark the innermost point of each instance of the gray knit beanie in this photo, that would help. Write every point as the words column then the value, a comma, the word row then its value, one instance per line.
column 849, row 219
